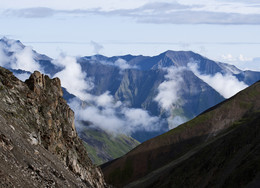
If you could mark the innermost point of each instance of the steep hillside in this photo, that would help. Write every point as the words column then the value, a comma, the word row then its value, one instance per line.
column 232, row 159
column 186, row 140
column 39, row 146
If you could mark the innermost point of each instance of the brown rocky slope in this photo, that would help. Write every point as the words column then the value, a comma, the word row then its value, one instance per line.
column 39, row 146
column 149, row 159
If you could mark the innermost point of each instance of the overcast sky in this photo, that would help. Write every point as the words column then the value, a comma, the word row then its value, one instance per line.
column 224, row 30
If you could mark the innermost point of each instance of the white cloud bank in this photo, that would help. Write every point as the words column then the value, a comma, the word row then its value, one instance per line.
column 168, row 91
column 72, row 77
column 227, row 85
column 25, row 60
column 122, row 64
column 168, row 96
column 231, row 58
column 16, row 56
column 242, row 62
column 107, row 114
column 119, row 62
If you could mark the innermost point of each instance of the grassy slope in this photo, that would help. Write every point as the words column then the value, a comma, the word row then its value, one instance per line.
column 103, row 147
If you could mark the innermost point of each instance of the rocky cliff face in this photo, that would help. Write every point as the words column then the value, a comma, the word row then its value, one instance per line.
column 39, row 146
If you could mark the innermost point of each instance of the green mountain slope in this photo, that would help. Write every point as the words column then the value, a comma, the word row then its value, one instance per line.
column 103, row 147
column 175, row 144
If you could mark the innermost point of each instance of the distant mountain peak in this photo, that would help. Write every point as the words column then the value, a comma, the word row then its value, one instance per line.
column 10, row 43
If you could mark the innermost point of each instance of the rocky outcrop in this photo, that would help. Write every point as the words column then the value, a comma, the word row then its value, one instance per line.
column 39, row 146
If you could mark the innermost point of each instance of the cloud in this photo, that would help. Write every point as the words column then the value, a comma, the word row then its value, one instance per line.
column 243, row 1
column 173, row 12
column 227, row 85
column 200, row 17
column 36, row 12
column 119, row 62
column 231, row 58
column 72, row 77
column 176, row 121
column 242, row 62
column 104, row 100
column 4, row 59
column 113, row 116
column 25, row 60
column 139, row 118
column 165, row 6
column 76, row 4
column 97, row 47
column 169, row 95
column 122, row 64
column 16, row 56
column 169, row 90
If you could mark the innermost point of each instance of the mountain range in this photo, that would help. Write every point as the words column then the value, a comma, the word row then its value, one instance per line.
column 167, row 90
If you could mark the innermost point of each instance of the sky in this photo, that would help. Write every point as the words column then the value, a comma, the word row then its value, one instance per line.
column 222, row 30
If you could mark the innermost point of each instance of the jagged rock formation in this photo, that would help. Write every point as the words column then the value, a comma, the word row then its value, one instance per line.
column 39, row 146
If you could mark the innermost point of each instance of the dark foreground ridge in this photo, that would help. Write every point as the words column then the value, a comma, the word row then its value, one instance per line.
column 219, row 148
column 39, row 146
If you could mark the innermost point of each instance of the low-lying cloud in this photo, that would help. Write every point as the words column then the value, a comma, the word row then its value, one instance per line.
column 227, row 85
column 16, row 56
column 96, row 47
column 114, row 116
column 242, row 62
column 119, row 62
column 169, row 95
column 174, row 121
column 72, row 77
column 122, row 64
column 169, row 90
column 24, row 60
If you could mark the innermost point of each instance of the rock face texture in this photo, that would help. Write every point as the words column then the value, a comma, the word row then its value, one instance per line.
column 39, row 146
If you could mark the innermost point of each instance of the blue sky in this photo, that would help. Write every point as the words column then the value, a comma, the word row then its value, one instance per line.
column 223, row 30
